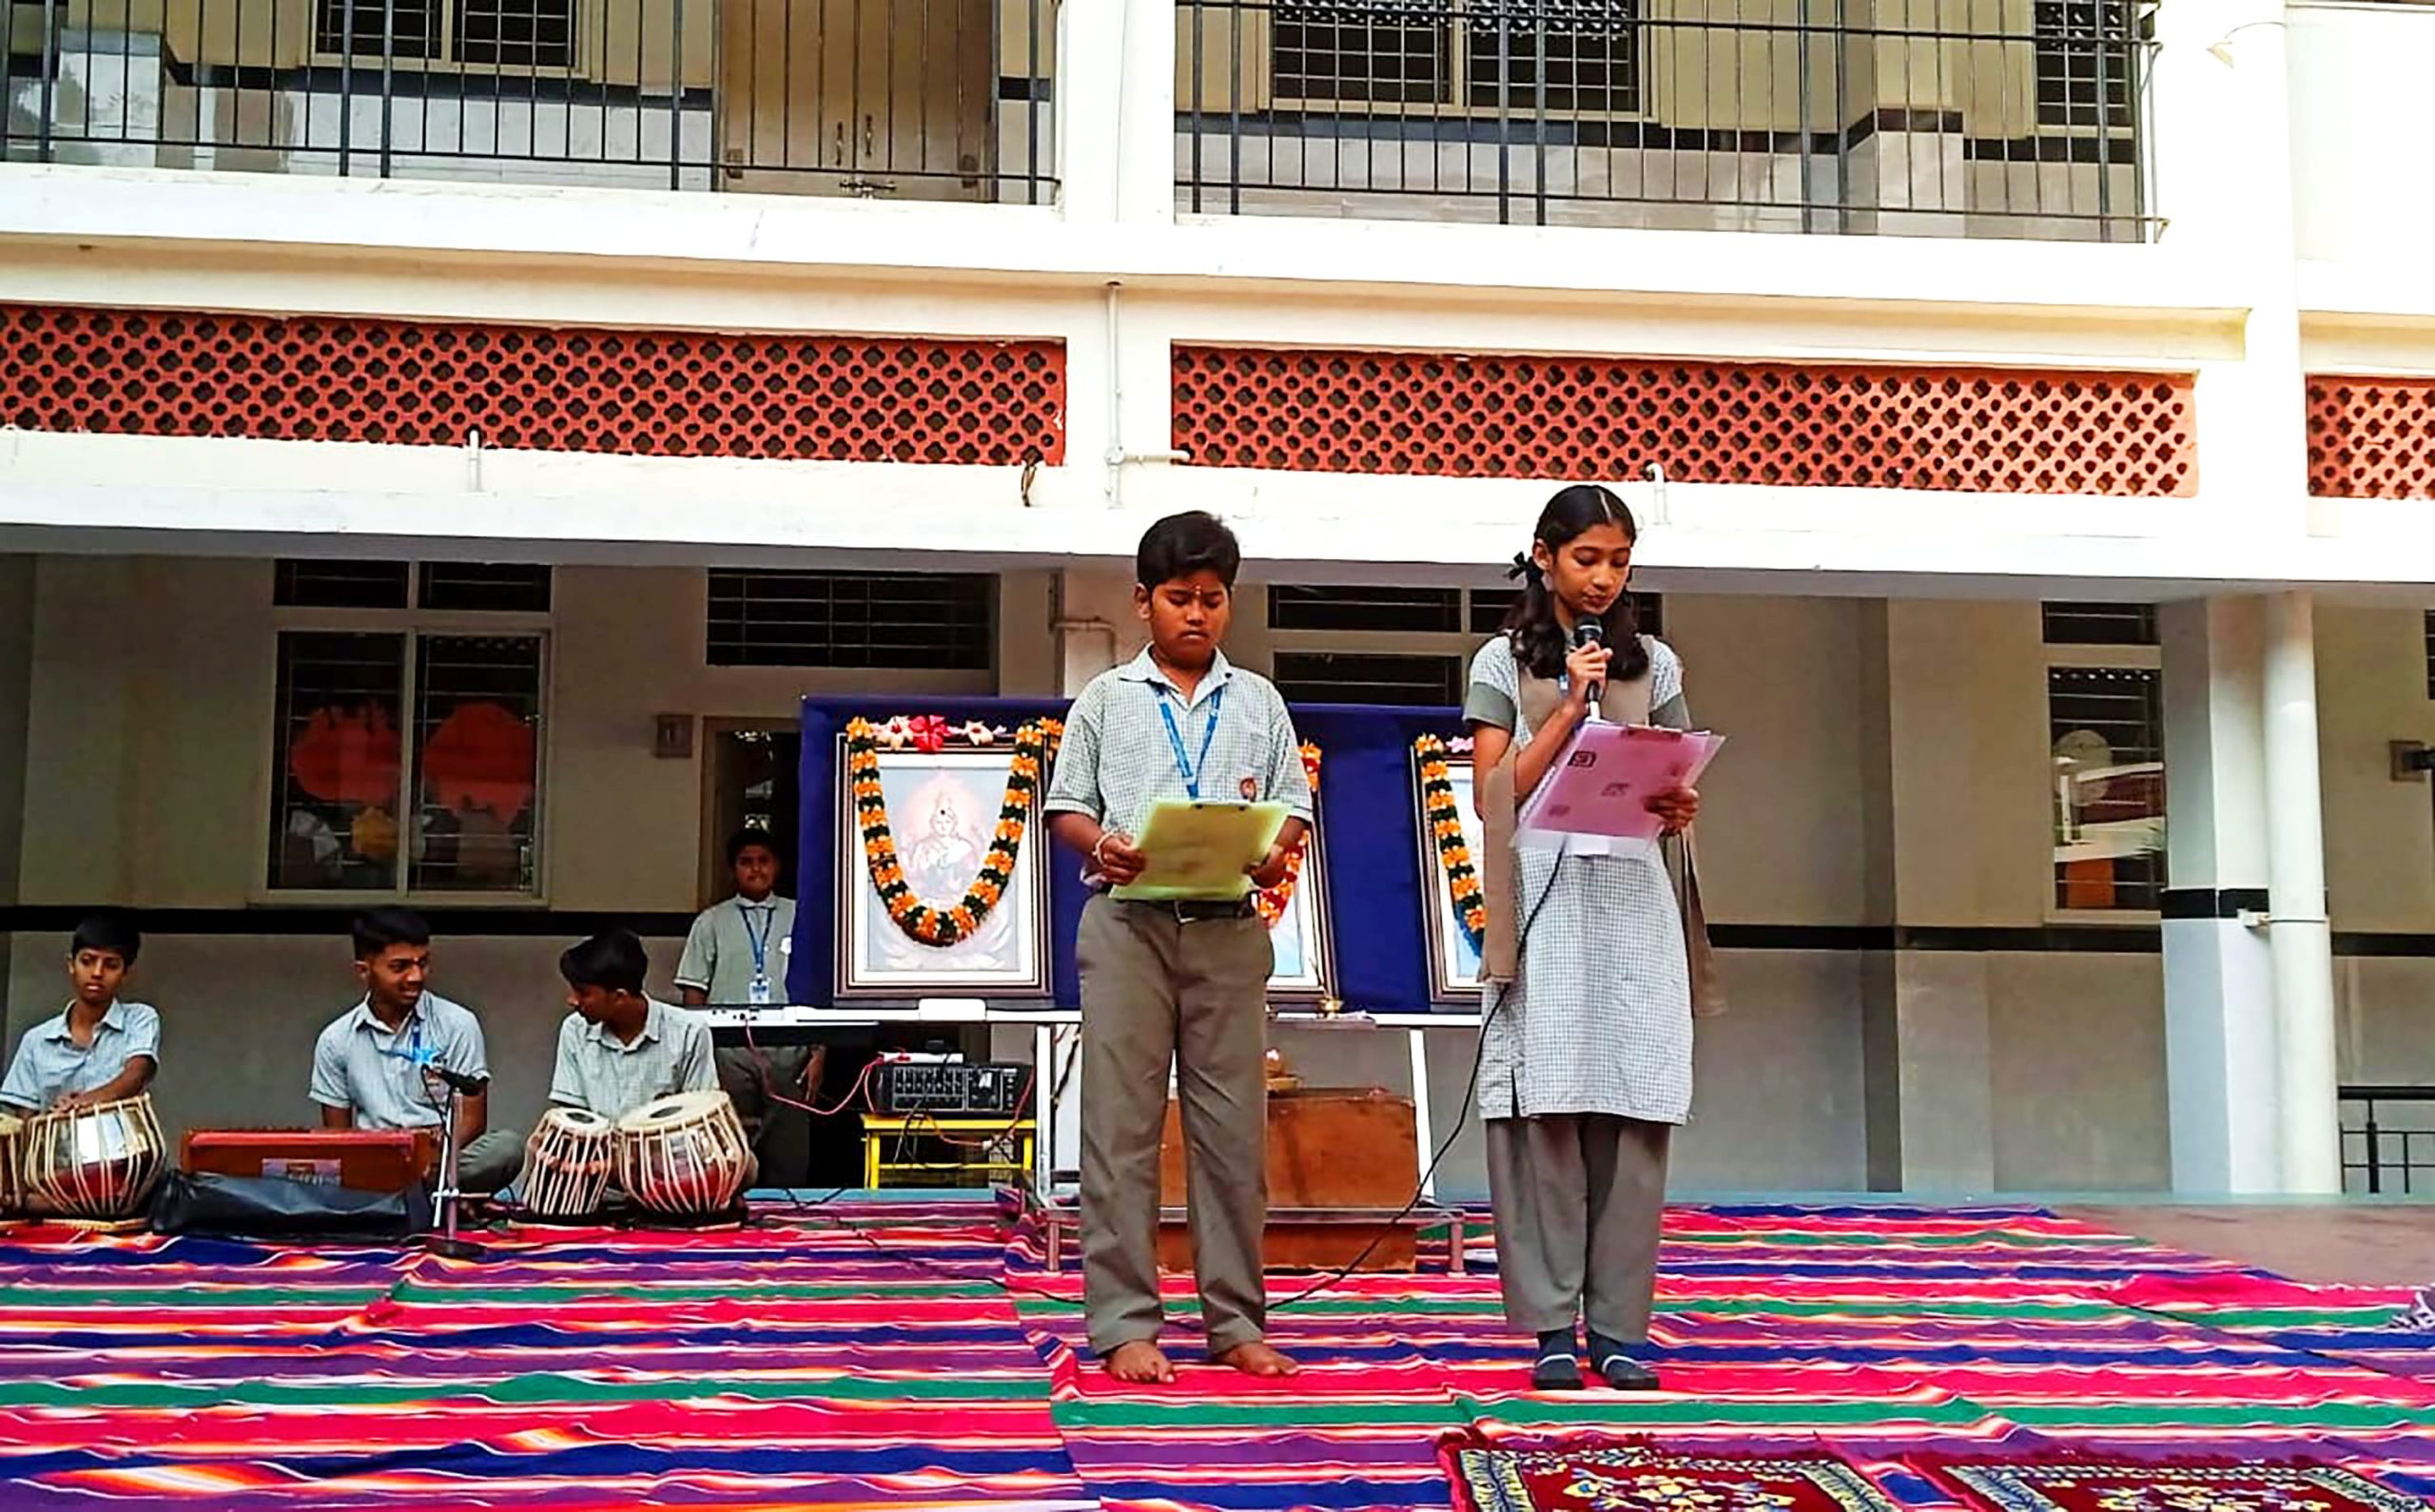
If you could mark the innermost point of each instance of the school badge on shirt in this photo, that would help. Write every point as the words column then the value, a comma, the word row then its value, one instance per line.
column 1251, row 788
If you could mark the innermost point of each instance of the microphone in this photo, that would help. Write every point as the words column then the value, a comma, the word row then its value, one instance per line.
column 1590, row 632
column 460, row 1082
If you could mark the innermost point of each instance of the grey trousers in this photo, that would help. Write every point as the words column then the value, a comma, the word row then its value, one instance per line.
column 490, row 1162
column 1578, row 1200
column 1158, row 991
column 780, row 1135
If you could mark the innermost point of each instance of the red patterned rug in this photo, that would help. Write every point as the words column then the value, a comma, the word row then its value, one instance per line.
column 2094, row 1485
column 1610, row 1476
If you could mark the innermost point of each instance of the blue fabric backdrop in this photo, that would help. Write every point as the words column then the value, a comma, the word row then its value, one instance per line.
column 1367, row 808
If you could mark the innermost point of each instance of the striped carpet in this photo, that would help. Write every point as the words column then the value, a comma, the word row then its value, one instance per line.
column 915, row 1355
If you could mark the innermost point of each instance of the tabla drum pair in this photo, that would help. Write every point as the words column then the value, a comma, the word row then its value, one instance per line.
column 99, row 1162
column 681, row 1155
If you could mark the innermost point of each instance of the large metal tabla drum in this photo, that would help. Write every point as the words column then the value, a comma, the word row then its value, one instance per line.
column 683, row 1153
column 12, row 1165
column 566, row 1164
column 95, row 1162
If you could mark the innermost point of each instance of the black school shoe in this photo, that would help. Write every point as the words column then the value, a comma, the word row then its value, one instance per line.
column 1558, row 1367
column 1615, row 1365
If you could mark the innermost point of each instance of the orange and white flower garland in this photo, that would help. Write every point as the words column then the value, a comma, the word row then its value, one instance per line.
column 925, row 924
column 1271, row 901
column 1446, row 831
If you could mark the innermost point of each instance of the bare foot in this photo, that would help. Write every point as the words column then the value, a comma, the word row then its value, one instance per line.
column 1141, row 1362
column 1258, row 1359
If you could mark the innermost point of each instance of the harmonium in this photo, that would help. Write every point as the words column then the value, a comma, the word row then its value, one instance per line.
column 357, row 1160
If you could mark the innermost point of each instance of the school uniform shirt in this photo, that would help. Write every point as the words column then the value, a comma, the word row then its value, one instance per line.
column 718, row 960
column 362, row 1064
column 51, row 1065
column 1120, row 757
column 601, row 1074
column 1598, row 1017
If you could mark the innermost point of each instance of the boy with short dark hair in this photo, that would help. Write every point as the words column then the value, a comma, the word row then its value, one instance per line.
column 737, row 956
column 1185, row 983
column 97, row 1048
column 620, row 1048
column 372, row 1064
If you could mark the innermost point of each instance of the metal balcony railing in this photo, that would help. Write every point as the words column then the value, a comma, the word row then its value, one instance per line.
column 2020, row 118
column 2389, row 1138
column 898, row 99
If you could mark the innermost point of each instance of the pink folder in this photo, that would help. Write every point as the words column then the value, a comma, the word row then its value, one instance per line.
column 1596, row 798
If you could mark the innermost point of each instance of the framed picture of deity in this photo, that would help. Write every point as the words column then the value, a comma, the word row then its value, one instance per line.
column 930, row 902
column 1299, row 932
column 1449, row 880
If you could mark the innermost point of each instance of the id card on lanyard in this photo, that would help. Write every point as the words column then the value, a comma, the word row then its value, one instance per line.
column 1190, row 770
column 761, row 990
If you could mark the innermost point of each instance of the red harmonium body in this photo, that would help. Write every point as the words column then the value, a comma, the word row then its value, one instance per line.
column 358, row 1159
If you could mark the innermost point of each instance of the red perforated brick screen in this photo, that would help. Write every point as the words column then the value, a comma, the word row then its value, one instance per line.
column 2372, row 437
column 1450, row 415
column 537, row 388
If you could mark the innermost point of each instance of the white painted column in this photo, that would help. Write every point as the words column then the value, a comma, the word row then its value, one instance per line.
column 2299, row 932
column 1090, row 71
column 1115, row 111
column 2220, row 1032
column 1145, row 125
column 2224, row 169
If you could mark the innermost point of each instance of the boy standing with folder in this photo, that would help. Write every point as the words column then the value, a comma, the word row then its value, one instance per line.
column 1182, row 984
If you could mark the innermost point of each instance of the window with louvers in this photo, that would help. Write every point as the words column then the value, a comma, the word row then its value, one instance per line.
column 1346, row 677
column 1565, row 56
column 908, row 621
column 1560, row 55
column 1488, row 607
column 373, row 28
column 1392, row 609
column 516, row 33
column 1380, row 51
column 484, row 33
column 2092, row 624
column 307, row 583
column 2087, row 52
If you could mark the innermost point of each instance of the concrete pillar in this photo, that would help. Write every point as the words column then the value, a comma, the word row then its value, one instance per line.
column 2221, row 1083
column 1115, row 111
column 1962, row 743
column 2300, row 934
column 2223, row 156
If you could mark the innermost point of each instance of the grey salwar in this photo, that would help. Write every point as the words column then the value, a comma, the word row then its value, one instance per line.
column 1578, row 1200
column 1160, row 990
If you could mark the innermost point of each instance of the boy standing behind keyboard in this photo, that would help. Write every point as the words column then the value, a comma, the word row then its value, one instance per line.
column 1181, row 984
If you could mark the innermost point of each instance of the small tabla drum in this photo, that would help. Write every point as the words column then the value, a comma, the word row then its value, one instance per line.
column 567, row 1163
column 683, row 1153
column 96, row 1162
column 12, row 1166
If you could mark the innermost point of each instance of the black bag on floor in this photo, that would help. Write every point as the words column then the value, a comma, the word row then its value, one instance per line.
column 275, row 1208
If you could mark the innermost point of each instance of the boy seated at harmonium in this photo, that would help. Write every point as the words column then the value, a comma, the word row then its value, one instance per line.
column 99, row 1048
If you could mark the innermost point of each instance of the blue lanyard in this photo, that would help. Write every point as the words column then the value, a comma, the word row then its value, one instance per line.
column 759, row 943
column 1190, row 770
column 412, row 1055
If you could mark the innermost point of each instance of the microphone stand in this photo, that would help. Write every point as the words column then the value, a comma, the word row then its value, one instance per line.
column 445, row 1243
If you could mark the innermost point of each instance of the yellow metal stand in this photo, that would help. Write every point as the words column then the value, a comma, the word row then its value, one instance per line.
column 946, row 1164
